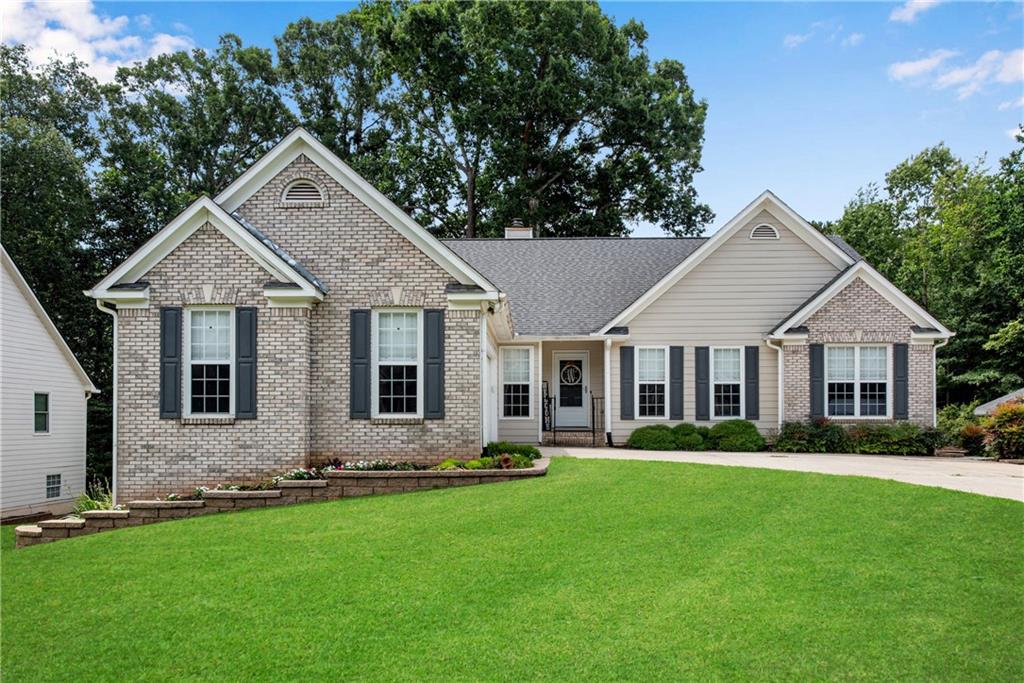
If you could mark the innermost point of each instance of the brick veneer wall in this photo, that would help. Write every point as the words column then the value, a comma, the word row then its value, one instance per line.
column 157, row 456
column 367, row 263
column 859, row 314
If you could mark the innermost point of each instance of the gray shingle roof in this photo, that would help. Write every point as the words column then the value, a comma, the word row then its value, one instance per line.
column 280, row 252
column 844, row 245
column 559, row 286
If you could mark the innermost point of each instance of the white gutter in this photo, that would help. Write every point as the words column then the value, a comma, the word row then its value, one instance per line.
column 780, row 410
column 113, row 445
column 935, row 383
column 608, row 390
column 484, row 380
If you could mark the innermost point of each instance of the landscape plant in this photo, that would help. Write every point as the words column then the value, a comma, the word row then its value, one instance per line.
column 657, row 437
column 525, row 449
column 1004, row 430
column 735, row 435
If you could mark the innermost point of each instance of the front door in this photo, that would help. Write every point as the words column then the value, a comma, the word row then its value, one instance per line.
column 570, row 373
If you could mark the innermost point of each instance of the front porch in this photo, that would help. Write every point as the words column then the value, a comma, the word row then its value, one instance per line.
column 572, row 393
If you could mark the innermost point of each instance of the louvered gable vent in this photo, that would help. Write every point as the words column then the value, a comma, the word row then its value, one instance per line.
column 303, row 191
column 764, row 232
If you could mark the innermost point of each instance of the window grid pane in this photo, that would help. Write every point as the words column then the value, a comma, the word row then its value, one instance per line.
column 211, row 388
column 840, row 399
column 872, row 398
column 840, row 363
column 516, row 366
column 210, row 335
column 872, row 364
column 41, row 415
column 726, row 365
column 727, row 400
column 651, row 365
column 397, row 336
column 396, row 390
column 516, row 400
column 53, row 486
column 651, row 401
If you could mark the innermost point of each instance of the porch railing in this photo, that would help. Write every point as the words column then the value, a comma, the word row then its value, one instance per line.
column 549, row 419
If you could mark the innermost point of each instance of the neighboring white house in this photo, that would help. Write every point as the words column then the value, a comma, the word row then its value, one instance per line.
column 43, row 394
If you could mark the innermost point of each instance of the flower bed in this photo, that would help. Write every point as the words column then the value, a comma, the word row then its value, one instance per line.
column 329, row 484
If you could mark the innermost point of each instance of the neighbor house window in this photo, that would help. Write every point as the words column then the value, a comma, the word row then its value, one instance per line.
column 857, row 381
column 727, row 382
column 41, row 414
column 210, row 347
column 516, row 373
column 651, row 377
column 53, row 486
column 397, row 360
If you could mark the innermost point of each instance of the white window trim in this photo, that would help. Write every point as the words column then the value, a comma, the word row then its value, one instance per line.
column 712, row 383
column 501, row 384
column 186, row 374
column 49, row 413
column 374, row 374
column 857, row 381
column 636, row 386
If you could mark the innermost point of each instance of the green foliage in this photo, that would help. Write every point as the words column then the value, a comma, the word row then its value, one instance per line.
column 496, row 448
column 900, row 438
column 735, row 435
column 652, row 438
column 953, row 419
column 972, row 439
column 1004, row 430
column 96, row 497
column 817, row 436
column 690, row 442
column 705, row 432
column 473, row 465
column 951, row 235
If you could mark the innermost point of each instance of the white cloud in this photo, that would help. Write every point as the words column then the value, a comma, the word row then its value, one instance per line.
column 1011, row 104
column 908, row 11
column 1012, row 70
column 902, row 71
column 796, row 39
column 994, row 65
column 181, row 27
column 853, row 40
column 1014, row 132
column 50, row 29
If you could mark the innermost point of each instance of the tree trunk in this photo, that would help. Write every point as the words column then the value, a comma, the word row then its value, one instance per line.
column 471, row 204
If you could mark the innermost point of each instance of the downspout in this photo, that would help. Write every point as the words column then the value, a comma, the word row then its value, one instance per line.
column 935, row 382
column 484, row 379
column 781, row 381
column 113, row 445
column 608, row 391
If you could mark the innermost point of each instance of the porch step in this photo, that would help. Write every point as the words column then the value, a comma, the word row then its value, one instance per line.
column 573, row 437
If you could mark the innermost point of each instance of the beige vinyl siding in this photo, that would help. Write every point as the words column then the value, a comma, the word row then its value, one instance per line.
column 31, row 362
column 733, row 298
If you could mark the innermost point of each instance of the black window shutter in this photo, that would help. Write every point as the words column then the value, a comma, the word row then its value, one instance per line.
column 901, row 383
column 751, row 380
column 359, row 373
column 433, row 364
column 675, row 375
column 817, row 381
column 245, row 363
column 702, row 358
column 170, row 362
column 626, row 381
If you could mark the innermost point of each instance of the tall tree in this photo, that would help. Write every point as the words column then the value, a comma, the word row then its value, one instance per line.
column 179, row 126
column 545, row 110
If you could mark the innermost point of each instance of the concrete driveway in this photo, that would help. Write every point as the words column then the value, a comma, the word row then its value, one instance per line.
column 999, row 480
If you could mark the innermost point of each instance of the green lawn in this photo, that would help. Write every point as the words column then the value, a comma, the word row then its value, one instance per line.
column 601, row 570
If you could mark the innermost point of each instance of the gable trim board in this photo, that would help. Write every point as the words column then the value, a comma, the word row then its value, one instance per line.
column 928, row 327
column 765, row 201
column 299, row 142
column 198, row 214
column 44, row 318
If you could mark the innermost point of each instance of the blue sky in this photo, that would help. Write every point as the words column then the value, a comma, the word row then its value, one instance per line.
column 811, row 100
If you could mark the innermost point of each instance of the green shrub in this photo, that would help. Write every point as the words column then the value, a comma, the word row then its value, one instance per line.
column 97, row 497
column 652, row 438
column 487, row 463
column 690, row 442
column 473, row 465
column 817, row 436
column 735, row 435
column 972, row 439
column 705, row 433
column 496, row 448
column 520, row 462
column 1004, row 430
column 953, row 419
column 901, row 438
column 449, row 464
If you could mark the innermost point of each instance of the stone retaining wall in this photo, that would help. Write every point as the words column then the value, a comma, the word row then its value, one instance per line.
column 340, row 484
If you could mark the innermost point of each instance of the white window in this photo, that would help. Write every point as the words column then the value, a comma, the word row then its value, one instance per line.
column 727, row 382
column 41, row 413
column 210, row 346
column 651, row 381
column 397, row 362
column 516, row 381
column 857, row 381
column 53, row 486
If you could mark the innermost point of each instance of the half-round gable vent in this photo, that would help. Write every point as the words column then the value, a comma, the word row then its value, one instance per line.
column 303, row 191
column 764, row 232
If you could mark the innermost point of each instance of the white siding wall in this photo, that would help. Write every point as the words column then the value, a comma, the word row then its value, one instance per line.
column 733, row 298
column 31, row 362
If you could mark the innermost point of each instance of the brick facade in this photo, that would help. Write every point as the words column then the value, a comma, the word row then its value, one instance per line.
column 303, row 367
column 858, row 314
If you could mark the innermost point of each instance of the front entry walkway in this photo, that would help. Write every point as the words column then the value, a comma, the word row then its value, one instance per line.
column 999, row 480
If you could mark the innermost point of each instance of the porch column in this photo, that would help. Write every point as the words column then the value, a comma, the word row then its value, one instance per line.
column 607, row 390
column 540, row 392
